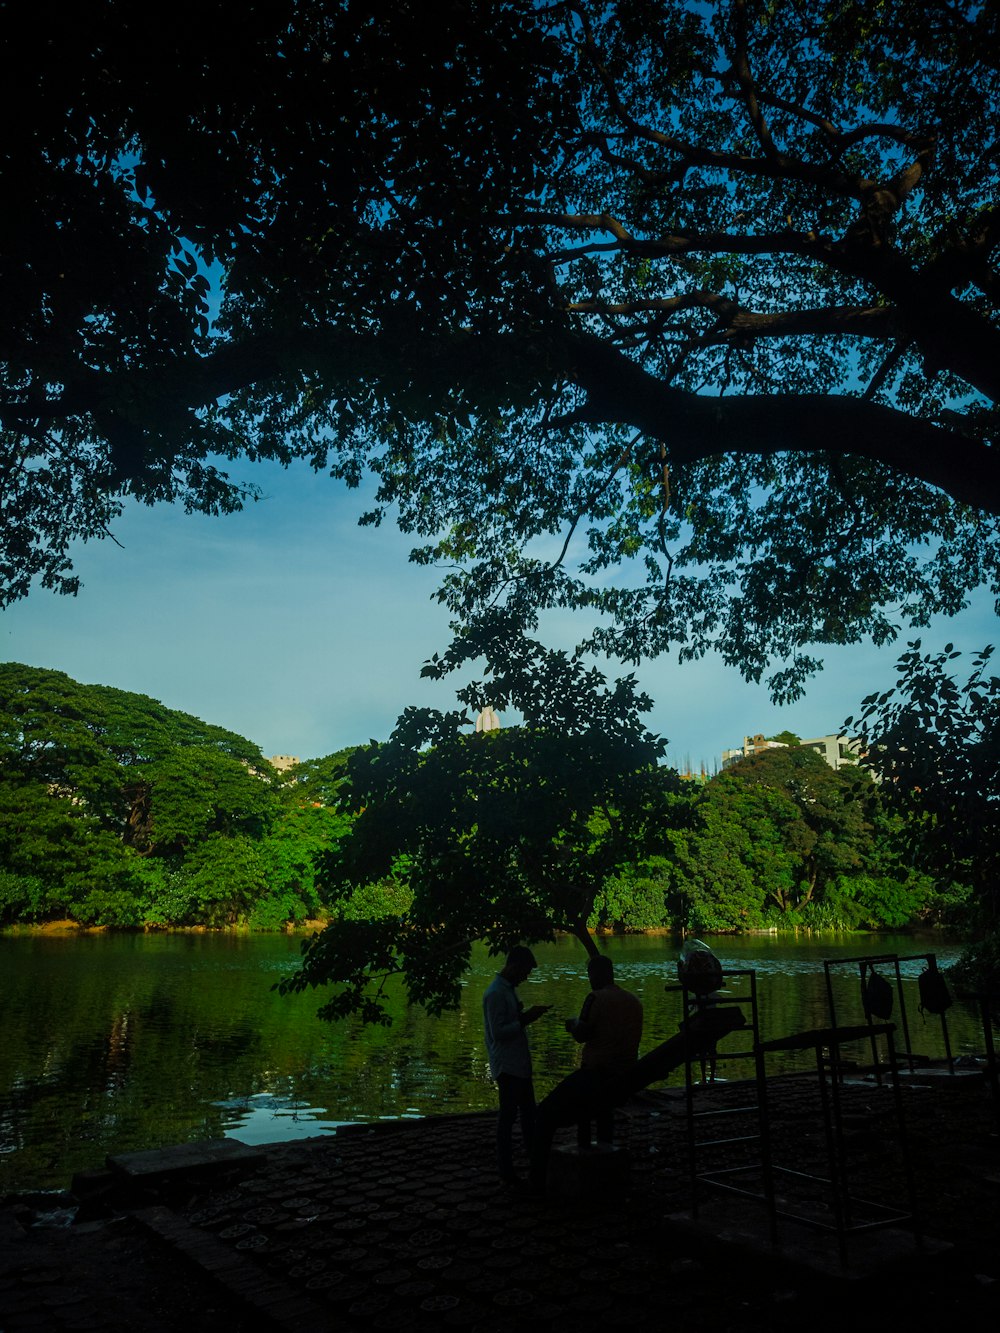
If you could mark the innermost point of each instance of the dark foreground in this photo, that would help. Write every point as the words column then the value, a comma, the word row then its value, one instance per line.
column 403, row 1227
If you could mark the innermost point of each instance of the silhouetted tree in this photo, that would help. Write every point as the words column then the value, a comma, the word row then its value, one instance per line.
column 711, row 288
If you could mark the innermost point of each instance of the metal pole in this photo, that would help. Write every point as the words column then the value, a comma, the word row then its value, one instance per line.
column 833, row 1153
column 902, row 1015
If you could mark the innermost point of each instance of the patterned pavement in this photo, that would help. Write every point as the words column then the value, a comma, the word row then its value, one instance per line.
column 403, row 1226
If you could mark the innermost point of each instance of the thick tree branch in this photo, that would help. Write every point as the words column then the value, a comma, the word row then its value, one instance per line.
column 949, row 334
column 691, row 425
column 695, row 427
column 663, row 247
column 964, row 257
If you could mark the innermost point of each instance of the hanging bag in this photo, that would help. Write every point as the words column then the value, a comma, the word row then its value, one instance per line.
column 876, row 996
column 935, row 996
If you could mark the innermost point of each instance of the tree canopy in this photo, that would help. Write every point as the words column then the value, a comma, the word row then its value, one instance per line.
column 934, row 742
column 707, row 290
column 501, row 836
column 782, row 840
column 571, row 823
column 825, row 816
column 116, row 810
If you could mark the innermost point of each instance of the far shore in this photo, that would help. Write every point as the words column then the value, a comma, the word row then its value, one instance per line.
column 67, row 926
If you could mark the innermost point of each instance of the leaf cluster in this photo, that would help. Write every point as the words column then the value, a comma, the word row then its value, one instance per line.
column 682, row 315
column 502, row 836
column 934, row 742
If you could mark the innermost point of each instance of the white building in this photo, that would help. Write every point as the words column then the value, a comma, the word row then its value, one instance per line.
column 283, row 762
column 488, row 719
column 837, row 750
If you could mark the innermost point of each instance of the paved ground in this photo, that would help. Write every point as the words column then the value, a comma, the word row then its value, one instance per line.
column 403, row 1227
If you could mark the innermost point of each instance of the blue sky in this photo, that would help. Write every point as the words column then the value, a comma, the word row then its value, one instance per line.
column 293, row 626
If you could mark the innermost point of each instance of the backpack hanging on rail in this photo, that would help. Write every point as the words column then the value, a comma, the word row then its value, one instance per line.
column 935, row 996
column 876, row 996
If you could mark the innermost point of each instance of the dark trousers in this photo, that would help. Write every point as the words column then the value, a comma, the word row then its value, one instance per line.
column 604, row 1121
column 517, row 1099
column 578, row 1098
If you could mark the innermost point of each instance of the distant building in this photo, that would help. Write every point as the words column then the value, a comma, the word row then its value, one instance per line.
column 488, row 720
column 838, row 751
column 751, row 745
column 835, row 749
column 283, row 762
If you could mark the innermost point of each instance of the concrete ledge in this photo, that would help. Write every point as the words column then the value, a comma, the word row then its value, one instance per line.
column 185, row 1158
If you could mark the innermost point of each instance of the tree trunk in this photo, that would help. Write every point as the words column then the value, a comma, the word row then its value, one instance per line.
column 579, row 929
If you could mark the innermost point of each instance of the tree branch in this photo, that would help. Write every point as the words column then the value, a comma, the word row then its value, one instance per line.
column 736, row 325
column 773, row 164
column 663, row 247
column 695, row 426
column 842, row 139
column 744, row 77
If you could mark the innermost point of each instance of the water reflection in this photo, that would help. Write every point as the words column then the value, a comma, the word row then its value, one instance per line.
column 114, row 1043
column 266, row 1117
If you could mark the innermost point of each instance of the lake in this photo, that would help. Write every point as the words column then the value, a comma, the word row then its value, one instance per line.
column 113, row 1043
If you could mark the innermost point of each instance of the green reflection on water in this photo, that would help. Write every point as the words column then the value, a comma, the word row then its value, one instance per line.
column 118, row 1042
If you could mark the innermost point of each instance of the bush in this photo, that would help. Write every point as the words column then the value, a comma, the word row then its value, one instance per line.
column 224, row 879
column 109, row 907
column 630, row 902
column 373, row 902
column 22, row 898
column 978, row 969
column 277, row 911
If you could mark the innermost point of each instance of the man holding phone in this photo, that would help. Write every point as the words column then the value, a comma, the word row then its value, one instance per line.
column 504, row 1021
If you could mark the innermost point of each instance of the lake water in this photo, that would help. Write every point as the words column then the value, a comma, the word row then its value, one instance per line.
column 112, row 1043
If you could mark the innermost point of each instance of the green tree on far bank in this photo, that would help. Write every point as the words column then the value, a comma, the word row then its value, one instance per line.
column 118, row 811
column 824, row 816
column 781, row 839
column 725, row 867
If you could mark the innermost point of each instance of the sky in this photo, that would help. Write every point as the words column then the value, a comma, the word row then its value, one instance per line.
column 294, row 627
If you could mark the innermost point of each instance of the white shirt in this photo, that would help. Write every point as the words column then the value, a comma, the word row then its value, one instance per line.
column 506, row 1042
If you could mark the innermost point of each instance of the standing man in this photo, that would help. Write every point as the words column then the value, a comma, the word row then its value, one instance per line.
column 504, row 1020
column 610, row 1029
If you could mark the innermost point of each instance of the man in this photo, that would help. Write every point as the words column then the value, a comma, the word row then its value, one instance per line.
column 610, row 1029
column 504, row 1021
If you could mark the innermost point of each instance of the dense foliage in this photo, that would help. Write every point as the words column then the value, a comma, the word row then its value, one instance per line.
column 934, row 742
column 505, row 836
column 784, row 841
column 570, row 822
column 117, row 811
column 705, row 287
